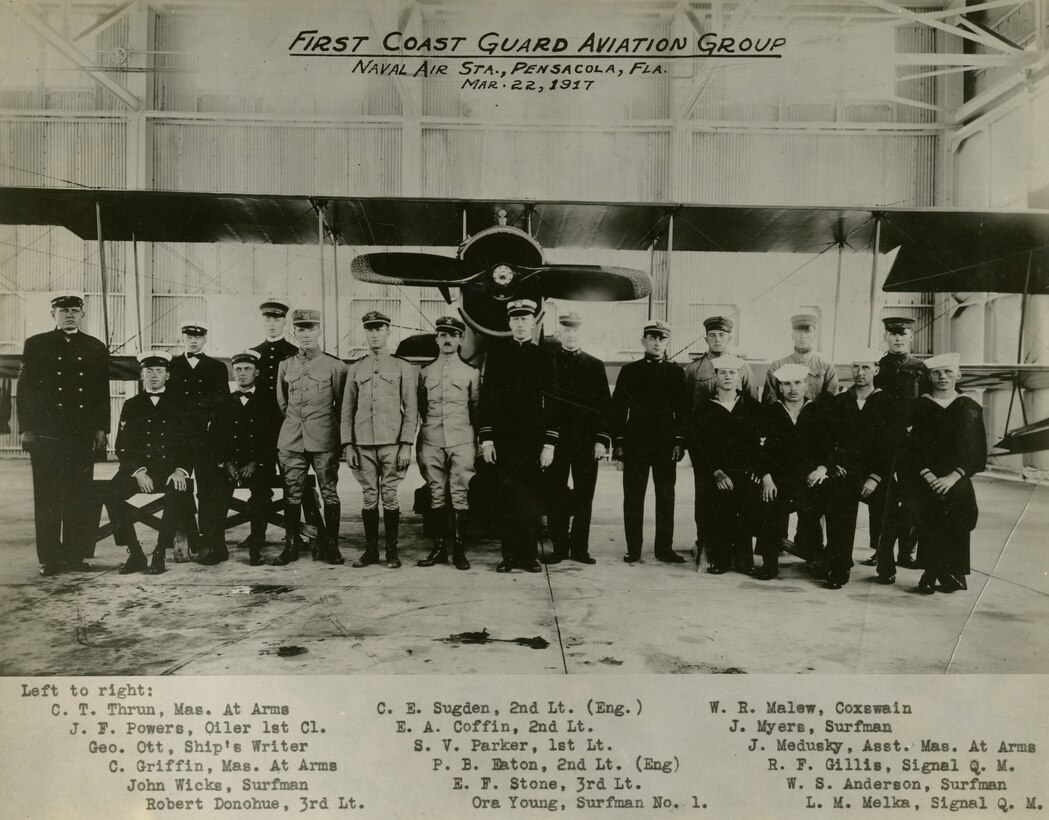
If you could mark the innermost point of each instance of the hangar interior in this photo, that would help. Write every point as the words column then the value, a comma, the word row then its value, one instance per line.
column 935, row 104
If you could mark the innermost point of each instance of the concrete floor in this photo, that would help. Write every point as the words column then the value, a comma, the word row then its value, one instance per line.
column 606, row 618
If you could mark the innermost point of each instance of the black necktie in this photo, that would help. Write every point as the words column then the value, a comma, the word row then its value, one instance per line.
column 192, row 355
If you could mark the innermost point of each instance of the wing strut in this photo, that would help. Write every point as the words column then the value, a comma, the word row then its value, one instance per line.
column 1020, row 349
column 874, row 277
column 837, row 301
column 102, row 275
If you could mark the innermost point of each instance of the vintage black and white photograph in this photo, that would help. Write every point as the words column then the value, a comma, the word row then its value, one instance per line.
column 440, row 337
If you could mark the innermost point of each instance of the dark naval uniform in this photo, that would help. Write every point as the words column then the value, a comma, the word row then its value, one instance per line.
column 518, row 414
column 203, row 387
column 862, row 448
column 904, row 378
column 946, row 439
column 63, row 399
column 245, row 432
column 271, row 354
column 154, row 434
column 648, row 422
column 728, row 440
column 583, row 401
column 701, row 387
column 793, row 449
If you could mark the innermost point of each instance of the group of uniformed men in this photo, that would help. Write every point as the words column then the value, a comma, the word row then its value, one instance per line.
column 900, row 439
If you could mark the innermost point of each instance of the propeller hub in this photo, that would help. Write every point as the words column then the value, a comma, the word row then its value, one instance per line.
column 503, row 275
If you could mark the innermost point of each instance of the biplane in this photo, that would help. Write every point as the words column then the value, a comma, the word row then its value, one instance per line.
column 495, row 249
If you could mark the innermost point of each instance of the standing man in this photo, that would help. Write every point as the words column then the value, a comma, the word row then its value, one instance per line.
column 821, row 381
column 153, row 441
column 63, row 412
column 583, row 405
column 648, row 422
column 519, row 431
column 904, row 377
column 275, row 348
column 309, row 392
column 243, row 441
column 379, row 417
column 700, row 387
column 729, row 463
column 448, row 391
column 202, row 383
column 861, row 420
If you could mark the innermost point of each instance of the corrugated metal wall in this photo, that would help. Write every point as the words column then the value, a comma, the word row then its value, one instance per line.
column 63, row 152
column 735, row 166
column 357, row 160
column 479, row 161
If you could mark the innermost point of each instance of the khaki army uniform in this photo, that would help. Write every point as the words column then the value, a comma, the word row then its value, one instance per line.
column 448, row 392
column 379, row 413
column 309, row 391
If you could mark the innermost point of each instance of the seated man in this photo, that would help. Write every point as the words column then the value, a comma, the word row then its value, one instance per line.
column 242, row 439
column 798, row 456
column 151, row 444
column 950, row 447
column 860, row 420
column 727, row 462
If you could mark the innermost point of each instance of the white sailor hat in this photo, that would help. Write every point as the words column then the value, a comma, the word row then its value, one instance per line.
column 871, row 355
column 193, row 327
column 944, row 361
column 154, row 358
column 792, row 373
column 728, row 362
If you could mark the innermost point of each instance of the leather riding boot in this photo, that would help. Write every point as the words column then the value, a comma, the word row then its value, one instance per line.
column 291, row 537
column 371, row 538
column 439, row 528
column 391, row 520
column 332, row 515
column 459, row 540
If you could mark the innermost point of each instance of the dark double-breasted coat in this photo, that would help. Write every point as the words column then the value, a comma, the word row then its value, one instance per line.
column 243, row 431
column 583, row 403
column 271, row 354
column 517, row 412
column 156, row 437
column 648, row 421
column 63, row 400
column 202, row 388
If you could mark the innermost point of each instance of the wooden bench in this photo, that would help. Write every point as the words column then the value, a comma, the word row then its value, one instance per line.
column 148, row 513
